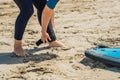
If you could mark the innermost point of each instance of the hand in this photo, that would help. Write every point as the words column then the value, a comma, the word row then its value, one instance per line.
column 45, row 37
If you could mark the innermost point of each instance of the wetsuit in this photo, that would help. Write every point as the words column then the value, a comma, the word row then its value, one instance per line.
column 52, row 3
column 26, row 11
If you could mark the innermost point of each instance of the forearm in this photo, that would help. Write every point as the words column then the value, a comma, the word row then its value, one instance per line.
column 53, row 20
column 46, row 16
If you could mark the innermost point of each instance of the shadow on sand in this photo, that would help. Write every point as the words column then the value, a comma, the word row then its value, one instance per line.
column 96, row 64
column 9, row 58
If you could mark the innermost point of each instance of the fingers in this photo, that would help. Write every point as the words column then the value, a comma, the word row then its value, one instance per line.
column 46, row 38
column 43, row 40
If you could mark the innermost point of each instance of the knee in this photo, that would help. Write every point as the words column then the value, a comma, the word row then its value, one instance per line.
column 52, row 3
column 28, row 12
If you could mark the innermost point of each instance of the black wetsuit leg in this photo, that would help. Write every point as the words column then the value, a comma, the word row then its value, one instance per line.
column 26, row 11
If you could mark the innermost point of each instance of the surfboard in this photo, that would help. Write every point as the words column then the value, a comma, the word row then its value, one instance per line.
column 105, row 54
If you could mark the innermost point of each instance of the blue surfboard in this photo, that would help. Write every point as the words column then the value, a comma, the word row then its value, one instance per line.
column 105, row 54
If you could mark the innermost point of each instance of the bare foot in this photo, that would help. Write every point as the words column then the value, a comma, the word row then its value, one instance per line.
column 56, row 44
column 20, row 52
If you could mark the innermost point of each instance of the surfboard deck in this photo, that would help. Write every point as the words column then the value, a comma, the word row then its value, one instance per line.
column 105, row 54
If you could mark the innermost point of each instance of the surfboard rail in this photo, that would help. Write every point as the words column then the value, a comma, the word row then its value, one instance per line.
column 93, row 54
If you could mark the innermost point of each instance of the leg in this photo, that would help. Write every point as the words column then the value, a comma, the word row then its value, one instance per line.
column 40, row 5
column 26, row 10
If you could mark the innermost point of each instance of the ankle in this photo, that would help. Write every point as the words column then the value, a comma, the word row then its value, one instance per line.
column 17, row 44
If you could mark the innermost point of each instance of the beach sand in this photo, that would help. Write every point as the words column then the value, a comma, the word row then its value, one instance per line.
column 80, row 24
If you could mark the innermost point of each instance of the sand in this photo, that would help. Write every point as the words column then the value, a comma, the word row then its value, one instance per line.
column 80, row 24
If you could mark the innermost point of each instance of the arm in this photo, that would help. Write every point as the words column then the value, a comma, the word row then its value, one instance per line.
column 53, row 21
column 47, row 14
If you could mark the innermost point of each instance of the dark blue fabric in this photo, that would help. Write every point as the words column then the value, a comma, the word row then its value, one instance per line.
column 26, row 11
column 52, row 3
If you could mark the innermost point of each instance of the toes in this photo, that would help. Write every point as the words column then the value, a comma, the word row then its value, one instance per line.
column 15, row 54
column 26, row 54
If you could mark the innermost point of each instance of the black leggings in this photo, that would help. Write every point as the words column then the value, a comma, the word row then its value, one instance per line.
column 26, row 11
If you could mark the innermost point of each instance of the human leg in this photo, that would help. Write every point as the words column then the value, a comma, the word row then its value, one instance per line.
column 26, row 10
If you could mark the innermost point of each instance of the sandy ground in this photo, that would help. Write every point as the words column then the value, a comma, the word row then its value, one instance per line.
column 80, row 24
